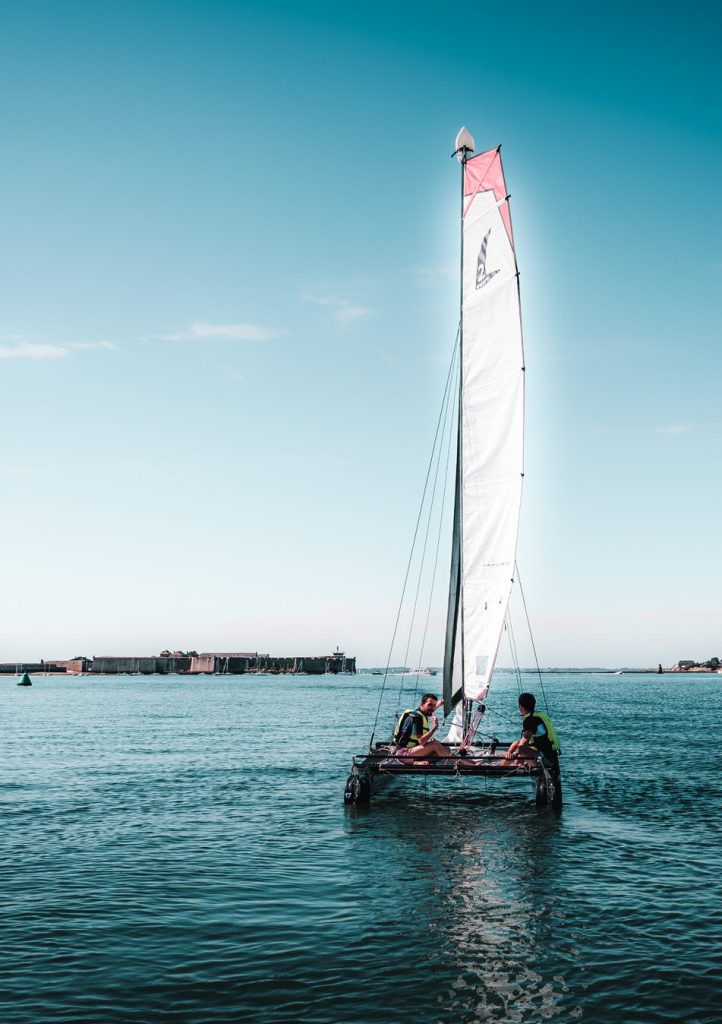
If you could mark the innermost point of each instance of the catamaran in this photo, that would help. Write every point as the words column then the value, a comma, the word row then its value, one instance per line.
column 489, row 428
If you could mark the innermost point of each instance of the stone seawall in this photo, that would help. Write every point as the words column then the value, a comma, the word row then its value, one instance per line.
column 219, row 664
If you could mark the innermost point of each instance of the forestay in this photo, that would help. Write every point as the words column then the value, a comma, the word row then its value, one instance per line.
column 491, row 436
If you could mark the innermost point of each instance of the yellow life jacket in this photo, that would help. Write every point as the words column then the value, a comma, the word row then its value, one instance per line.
column 551, row 731
column 413, row 740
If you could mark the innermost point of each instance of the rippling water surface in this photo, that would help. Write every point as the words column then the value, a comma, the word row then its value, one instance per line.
column 178, row 850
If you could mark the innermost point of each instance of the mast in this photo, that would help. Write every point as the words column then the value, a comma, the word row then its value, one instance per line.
column 461, row 153
column 455, row 613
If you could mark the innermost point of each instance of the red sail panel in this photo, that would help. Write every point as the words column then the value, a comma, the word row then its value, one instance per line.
column 483, row 173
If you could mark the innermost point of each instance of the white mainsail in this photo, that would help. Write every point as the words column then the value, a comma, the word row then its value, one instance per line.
column 491, row 437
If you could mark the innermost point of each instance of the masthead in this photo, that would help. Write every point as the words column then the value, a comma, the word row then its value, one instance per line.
column 464, row 144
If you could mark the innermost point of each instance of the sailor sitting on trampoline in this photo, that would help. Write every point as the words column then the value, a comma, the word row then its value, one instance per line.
column 413, row 735
column 538, row 735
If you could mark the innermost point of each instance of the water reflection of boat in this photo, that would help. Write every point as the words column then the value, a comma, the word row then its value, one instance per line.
column 493, row 929
column 487, row 420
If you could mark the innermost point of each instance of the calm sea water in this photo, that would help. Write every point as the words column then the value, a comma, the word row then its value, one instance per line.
column 178, row 850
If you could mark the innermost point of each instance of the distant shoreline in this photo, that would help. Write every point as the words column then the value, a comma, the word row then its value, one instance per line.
column 581, row 671
column 61, row 674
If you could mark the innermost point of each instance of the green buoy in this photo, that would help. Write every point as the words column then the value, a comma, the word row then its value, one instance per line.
column 26, row 680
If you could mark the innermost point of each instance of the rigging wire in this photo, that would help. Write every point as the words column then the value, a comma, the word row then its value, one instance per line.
column 531, row 637
column 448, row 423
column 416, row 530
column 514, row 654
column 444, row 492
column 422, row 560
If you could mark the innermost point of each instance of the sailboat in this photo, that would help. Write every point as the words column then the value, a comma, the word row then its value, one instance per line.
column 488, row 488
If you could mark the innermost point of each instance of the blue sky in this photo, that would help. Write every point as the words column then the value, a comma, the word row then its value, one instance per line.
column 228, row 295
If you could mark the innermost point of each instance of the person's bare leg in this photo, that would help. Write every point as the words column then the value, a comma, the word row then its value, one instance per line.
column 525, row 753
column 511, row 752
column 432, row 747
column 520, row 751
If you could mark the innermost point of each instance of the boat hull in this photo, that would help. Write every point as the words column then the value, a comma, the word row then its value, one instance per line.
column 478, row 762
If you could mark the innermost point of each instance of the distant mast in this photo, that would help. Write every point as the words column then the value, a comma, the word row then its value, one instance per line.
column 490, row 449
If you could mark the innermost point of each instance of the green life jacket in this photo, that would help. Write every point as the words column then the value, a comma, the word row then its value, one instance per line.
column 551, row 731
column 413, row 740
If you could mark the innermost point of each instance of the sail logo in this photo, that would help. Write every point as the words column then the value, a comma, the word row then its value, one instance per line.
column 482, row 277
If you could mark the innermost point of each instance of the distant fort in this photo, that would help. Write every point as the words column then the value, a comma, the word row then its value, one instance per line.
column 189, row 663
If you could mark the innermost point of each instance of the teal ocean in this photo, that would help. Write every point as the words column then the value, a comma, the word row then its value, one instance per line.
column 178, row 850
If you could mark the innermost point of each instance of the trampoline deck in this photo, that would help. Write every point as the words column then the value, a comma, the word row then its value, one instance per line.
column 478, row 761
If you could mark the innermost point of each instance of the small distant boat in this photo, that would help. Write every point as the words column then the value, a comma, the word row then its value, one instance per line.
column 26, row 680
column 421, row 672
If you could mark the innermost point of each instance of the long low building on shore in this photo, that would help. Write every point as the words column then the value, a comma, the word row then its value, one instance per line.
column 191, row 663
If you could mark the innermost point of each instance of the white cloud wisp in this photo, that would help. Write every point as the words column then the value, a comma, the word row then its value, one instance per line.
column 33, row 350
column 201, row 330
column 344, row 310
column 26, row 350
